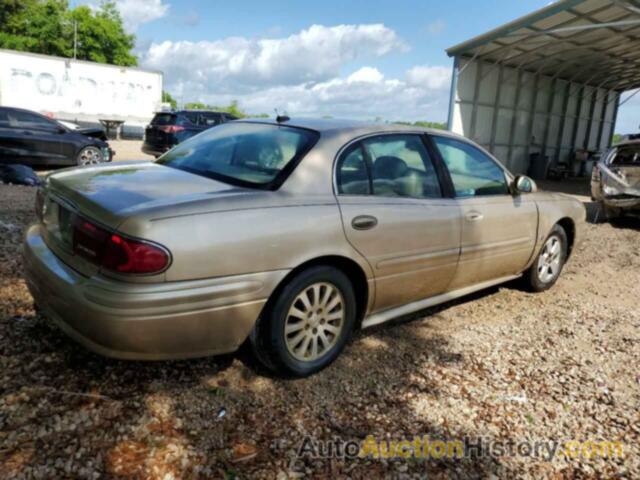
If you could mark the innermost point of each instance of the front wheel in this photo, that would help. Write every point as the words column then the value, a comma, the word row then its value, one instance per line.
column 546, row 268
column 307, row 325
column 90, row 156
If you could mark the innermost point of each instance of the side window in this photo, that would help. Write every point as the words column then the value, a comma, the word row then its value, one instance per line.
column 209, row 119
column 352, row 173
column 191, row 117
column 472, row 172
column 20, row 119
column 401, row 167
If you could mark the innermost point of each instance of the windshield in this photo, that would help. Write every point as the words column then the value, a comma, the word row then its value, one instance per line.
column 246, row 154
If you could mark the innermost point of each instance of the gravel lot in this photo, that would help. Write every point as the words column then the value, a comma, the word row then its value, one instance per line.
column 502, row 365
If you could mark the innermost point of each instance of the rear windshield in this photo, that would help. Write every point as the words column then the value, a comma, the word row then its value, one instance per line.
column 163, row 119
column 625, row 155
column 245, row 154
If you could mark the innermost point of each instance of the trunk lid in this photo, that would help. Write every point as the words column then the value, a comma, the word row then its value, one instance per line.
column 109, row 194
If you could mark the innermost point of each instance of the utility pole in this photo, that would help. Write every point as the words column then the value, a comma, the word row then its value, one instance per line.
column 75, row 39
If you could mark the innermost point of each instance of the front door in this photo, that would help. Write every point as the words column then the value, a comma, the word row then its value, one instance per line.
column 395, row 215
column 498, row 229
column 38, row 137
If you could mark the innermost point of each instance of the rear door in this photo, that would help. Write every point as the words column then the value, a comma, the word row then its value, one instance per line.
column 498, row 229
column 37, row 137
column 395, row 213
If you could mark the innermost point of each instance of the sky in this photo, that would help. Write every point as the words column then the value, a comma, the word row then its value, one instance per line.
column 360, row 59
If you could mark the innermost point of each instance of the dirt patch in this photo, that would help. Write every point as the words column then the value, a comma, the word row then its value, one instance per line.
column 502, row 365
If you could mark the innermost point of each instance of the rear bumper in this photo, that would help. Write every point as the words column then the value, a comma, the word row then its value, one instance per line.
column 623, row 201
column 155, row 150
column 145, row 321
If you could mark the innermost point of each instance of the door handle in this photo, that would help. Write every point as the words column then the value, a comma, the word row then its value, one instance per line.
column 474, row 216
column 364, row 222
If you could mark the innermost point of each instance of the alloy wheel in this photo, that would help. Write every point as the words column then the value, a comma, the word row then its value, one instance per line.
column 549, row 261
column 90, row 156
column 314, row 321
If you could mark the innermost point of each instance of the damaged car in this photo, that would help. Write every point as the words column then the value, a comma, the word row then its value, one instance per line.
column 615, row 179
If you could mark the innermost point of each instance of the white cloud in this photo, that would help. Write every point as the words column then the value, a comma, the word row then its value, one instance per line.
column 366, row 75
column 241, row 64
column 303, row 74
column 137, row 12
column 366, row 94
column 431, row 77
column 436, row 27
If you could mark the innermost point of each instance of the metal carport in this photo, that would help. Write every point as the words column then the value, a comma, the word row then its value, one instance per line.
column 550, row 82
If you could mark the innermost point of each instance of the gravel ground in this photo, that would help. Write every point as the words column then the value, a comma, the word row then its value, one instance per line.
column 503, row 365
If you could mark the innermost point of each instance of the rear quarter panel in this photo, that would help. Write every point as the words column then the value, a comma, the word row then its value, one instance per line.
column 234, row 242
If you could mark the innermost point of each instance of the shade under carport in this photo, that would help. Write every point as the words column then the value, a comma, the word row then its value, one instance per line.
column 547, row 83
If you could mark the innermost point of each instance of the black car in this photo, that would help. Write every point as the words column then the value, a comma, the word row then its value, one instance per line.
column 167, row 129
column 29, row 138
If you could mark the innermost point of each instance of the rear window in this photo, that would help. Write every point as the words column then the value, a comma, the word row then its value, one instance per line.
column 163, row 119
column 245, row 154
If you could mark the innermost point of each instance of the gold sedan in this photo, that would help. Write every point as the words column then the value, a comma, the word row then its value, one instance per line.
column 286, row 234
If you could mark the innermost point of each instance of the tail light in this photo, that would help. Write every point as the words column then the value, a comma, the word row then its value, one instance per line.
column 171, row 128
column 117, row 253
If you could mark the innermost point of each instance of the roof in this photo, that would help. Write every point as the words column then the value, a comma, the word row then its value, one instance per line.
column 595, row 42
column 342, row 125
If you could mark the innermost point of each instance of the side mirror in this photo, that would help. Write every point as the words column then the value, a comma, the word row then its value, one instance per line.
column 524, row 184
column 61, row 129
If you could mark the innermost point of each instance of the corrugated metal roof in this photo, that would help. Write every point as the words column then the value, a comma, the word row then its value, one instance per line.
column 596, row 42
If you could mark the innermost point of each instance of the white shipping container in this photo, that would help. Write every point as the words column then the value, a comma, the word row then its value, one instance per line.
column 77, row 90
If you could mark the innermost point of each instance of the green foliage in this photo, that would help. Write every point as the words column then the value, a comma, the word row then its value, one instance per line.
column 424, row 124
column 47, row 27
column 617, row 138
column 233, row 108
column 167, row 98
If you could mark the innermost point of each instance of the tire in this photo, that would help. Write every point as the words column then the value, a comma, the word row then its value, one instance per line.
column 547, row 267
column 325, row 320
column 89, row 156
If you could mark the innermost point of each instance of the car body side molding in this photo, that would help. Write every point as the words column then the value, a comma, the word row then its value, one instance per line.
column 385, row 316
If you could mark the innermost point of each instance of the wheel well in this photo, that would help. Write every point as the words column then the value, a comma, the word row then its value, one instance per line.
column 351, row 269
column 570, row 229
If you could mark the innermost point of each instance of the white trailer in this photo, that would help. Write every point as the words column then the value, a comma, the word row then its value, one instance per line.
column 80, row 91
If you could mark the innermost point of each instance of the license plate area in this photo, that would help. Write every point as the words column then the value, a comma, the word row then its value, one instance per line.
column 58, row 221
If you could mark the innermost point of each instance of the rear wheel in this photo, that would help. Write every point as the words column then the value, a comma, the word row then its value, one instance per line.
column 308, row 324
column 546, row 268
column 90, row 156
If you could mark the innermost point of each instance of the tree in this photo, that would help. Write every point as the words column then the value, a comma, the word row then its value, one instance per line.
column 233, row 108
column 47, row 27
column 167, row 98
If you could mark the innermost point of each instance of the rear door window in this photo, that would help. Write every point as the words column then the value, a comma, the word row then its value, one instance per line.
column 353, row 175
column 163, row 119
